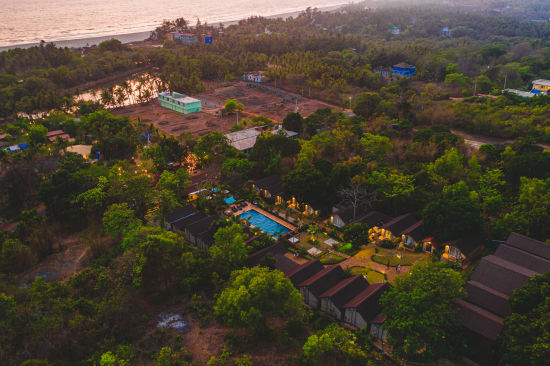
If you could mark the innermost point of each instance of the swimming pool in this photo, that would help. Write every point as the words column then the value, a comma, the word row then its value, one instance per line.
column 264, row 223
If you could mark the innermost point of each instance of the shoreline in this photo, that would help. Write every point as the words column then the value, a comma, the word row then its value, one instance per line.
column 127, row 38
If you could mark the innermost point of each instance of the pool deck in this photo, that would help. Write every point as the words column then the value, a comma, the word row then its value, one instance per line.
column 250, row 206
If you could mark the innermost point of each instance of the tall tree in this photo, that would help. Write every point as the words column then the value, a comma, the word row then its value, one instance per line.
column 421, row 315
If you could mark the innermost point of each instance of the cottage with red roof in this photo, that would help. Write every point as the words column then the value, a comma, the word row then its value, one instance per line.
column 334, row 299
column 364, row 308
column 312, row 288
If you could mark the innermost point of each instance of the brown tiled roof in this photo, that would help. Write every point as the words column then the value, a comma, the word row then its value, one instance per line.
column 501, row 275
column 282, row 263
column 479, row 320
column 416, row 231
column 522, row 258
column 488, row 298
column 273, row 184
column 203, row 225
column 180, row 213
column 380, row 319
column 185, row 223
column 400, row 223
column 345, row 290
column 495, row 279
column 365, row 294
column 529, row 245
column 467, row 245
column 375, row 218
column 305, row 271
column 347, row 214
column 367, row 302
column 255, row 258
column 323, row 280
column 54, row 133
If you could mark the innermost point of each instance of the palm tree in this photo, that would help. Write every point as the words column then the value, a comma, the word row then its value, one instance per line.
column 120, row 95
column 107, row 97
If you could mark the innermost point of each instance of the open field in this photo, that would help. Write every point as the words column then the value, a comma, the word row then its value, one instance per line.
column 270, row 102
column 173, row 123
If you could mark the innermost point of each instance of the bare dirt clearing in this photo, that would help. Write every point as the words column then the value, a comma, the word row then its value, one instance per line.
column 60, row 266
column 257, row 100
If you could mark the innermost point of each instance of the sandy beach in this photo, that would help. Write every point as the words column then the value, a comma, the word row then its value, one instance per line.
column 141, row 36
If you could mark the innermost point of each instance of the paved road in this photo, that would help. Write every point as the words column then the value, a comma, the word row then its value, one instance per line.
column 476, row 141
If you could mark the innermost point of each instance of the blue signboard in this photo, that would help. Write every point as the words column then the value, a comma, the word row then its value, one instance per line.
column 208, row 40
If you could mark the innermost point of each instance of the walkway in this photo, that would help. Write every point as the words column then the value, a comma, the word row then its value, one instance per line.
column 363, row 259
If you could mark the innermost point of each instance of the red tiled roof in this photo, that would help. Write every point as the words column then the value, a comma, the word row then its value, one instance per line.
column 325, row 271
column 54, row 133
column 364, row 295
column 64, row 136
column 478, row 319
column 379, row 319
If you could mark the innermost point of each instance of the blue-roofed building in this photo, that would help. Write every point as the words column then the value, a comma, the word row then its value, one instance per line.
column 403, row 70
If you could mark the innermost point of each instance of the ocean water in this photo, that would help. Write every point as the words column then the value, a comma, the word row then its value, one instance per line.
column 30, row 21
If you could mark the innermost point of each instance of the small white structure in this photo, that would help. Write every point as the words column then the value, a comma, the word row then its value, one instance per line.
column 245, row 140
column 255, row 77
column 294, row 240
column 314, row 251
column 331, row 242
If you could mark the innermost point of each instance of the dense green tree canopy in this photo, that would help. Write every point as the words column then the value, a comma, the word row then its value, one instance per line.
column 420, row 314
column 524, row 339
column 255, row 294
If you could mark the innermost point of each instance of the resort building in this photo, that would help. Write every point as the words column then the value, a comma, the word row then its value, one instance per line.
column 52, row 136
column 179, row 102
column 254, row 77
column 462, row 249
column 540, row 87
column 346, row 216
column 393, row 229
column 270, row 187
column 395, row 30
column 312, row 288
column 305, row 271
column 363, row 308
column 183, row 38
column 334, row 299
column 403, row 70
column 282, row 262
column 493, row 282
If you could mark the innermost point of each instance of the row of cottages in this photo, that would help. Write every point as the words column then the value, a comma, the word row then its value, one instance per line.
column 271, row 188
column 195, row 225
column 491, row 284
column 409, row 231
column 347, row 299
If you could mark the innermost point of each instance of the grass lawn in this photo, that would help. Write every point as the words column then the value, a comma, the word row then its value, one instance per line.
column 372, row 275
column 402, row 257
column 331, row 258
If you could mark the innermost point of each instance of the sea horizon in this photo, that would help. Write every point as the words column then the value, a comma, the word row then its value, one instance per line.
column 96, row 36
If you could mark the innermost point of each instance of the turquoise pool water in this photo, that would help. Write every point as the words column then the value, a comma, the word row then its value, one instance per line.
column 264, row 223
